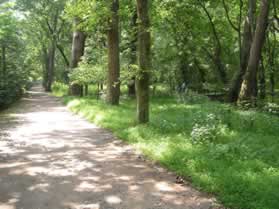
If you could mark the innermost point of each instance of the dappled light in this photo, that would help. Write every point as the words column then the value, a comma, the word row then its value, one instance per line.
column 221, row 149
column 54, row 159
column 143, row 104
column 113, row 200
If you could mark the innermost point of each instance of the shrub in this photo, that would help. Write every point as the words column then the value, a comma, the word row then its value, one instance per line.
column 206, row 129
column 271, row 108
column 11, row 90
column 87, row 73
column 60, row 89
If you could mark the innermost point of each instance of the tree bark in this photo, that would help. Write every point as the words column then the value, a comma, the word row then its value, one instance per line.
column 200, row 70
column 144, row 62
column 249, row 84
column 244, row 52
column 86, row 90
column 4, row 63
column 133, row 56
column 61, row 50
column 262, row 83
column 272, row 84
column 45, row 65
column 67, row 63
column 113, row 90
column 271, row 61
column 50, row 66
column 78, row 46
column 51, row 51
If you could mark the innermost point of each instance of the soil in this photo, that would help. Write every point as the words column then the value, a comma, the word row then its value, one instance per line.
column 53, row 159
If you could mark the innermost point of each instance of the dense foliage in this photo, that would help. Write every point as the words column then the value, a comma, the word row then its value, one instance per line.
column 17, row 70
column 191, row 50
column 197, row 45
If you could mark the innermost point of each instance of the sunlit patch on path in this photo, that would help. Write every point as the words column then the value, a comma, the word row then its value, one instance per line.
column 52, row 159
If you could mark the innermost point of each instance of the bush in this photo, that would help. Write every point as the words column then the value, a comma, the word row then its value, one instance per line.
column 87, row 73
column 13, row 86
column 271, row 108
column 60, row 89
column 9, row 92
column 207, row 129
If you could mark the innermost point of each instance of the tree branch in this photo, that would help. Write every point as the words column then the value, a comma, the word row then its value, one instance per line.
column 211, row 23
column 228, row 17
column 60, row 48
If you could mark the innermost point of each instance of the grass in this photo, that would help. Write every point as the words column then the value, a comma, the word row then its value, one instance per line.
column 239, row 164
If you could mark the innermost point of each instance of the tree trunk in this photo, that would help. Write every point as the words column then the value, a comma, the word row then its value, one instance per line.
column 45, row 65
column 51, row 51
column 200, row 70
column 4, row 63
column 78, row 46
column 132, row 88
column 50, row 66
column 67, row 63
column 220, row 65
column 86, row 90
column 113, row 89
column 272, row 84
column 183, row 78
column 144, row 61
column 271, row 61
column 262, row 83
column 244, row 52
column 133, row 56
column 249, row 84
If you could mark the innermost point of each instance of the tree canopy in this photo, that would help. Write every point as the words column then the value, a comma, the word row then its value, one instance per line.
column 127, row 54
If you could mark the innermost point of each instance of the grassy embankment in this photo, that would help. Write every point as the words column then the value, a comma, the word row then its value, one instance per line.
column 230, row 153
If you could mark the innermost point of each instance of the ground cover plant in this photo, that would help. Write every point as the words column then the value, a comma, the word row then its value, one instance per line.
column 221, row 149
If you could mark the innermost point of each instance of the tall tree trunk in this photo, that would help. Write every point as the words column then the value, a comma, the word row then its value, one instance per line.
column 262, row 83
column 271, row 61
column 244, row 52
column 45, row 65
column 67, row 63
column 249, row 84
column 220, row 65
column 4, row 63
column 86, row 90
column 78, row 46
column 272, row 84
column 50, row 66
column 113, row 90
column 51, row 51
column 144, row 61
column 200, row 70
column 133, row 56
column 183, row 78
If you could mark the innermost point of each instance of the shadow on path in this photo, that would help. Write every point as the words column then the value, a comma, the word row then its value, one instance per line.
column 52, row 159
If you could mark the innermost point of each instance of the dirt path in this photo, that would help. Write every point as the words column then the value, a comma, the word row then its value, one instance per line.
column 52, row 159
